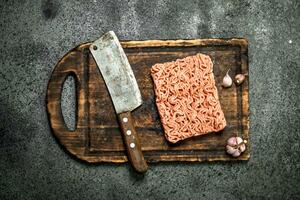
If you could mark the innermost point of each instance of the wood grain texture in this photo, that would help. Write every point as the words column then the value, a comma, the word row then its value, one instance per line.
column 98, row 138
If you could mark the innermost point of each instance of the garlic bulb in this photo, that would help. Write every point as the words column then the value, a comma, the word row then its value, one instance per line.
column 239, row 79
column 227, row 81
column 235, row 146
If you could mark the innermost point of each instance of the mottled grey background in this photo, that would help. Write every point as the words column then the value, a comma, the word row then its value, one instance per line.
column 34, row 35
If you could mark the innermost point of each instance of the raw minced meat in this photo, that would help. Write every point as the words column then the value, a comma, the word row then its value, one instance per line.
column 187, row 98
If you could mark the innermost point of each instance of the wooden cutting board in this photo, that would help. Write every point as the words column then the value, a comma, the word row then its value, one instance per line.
column 97, row 137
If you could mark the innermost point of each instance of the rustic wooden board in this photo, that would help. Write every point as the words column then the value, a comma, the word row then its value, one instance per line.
column 97, row 137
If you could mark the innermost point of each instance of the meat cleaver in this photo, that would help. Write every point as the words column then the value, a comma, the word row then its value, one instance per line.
column 124, row 92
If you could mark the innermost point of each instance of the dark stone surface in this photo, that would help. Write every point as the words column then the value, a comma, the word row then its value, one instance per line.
column 35, row 34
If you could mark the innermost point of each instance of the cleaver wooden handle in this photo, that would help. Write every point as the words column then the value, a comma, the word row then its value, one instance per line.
column 132, row 142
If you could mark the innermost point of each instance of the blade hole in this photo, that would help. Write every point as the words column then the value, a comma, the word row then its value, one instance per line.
column 69, row 102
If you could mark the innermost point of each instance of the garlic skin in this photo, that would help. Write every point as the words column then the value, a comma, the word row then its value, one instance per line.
column 239, row 79
column 232, row 141
column 227, row 81
column 235, row 146
column 242, row 148
column 230, row 149
column 236, row 154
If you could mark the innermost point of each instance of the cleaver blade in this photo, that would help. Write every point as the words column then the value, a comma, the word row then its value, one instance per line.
column 117, row 73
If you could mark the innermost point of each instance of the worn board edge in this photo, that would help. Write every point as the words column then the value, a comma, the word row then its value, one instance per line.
column 241, row 42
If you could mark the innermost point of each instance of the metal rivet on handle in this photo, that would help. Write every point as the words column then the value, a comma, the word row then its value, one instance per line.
column 132, row 145
column 128, row 132
column 125, row 119
column 95, row 47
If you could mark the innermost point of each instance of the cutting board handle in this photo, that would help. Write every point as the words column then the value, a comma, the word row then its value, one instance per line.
column 79, row 70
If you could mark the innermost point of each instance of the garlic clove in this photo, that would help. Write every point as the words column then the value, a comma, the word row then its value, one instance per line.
column 232, row 141
column 242, row 148
column 239, row 140
column 227, row 81
column 236, row 153
column 239, row 79
column 230, row 149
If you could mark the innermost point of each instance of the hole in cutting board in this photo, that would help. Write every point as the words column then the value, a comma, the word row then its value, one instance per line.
column 69, row 102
